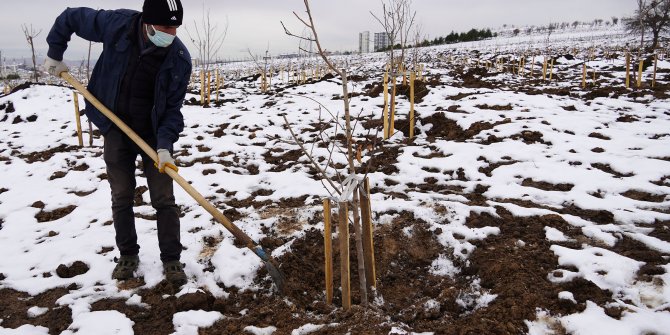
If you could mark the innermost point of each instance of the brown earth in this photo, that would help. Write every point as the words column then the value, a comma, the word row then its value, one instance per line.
column 411, row 295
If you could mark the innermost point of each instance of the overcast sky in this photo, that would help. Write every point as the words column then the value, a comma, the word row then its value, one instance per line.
column 255, row 24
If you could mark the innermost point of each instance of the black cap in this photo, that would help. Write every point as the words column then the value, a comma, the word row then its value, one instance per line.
column 163, row 12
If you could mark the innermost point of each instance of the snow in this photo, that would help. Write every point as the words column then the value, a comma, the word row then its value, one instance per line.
column 101, row 322
column 554, row 235
column 36, row 311
column 594, row 321
column 607, row 269
column 308, row 329
column 25, row 330
column 187, row 323
column 400, row 331
column 260, row 331
column 633, row 151
column 443, row 266
column 565, row 295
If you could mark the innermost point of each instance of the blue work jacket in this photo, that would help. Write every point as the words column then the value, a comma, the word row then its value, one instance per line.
column 111, row 28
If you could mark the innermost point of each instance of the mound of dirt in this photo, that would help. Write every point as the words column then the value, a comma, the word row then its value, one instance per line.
column 75, row 269
column 45, row 216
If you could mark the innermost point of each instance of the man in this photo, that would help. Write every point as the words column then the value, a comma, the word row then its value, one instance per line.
column 141, row 75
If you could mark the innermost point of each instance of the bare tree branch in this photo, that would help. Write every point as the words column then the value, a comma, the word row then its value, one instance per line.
column 311, row 159
column 30, row 35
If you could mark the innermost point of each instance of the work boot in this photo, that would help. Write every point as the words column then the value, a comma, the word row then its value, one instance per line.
column 125, row 267
column 174, row 273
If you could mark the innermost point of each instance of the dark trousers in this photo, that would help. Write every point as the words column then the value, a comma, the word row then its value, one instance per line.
column 120, row 157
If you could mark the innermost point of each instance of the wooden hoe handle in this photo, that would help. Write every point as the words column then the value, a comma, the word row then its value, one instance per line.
column 218, row 216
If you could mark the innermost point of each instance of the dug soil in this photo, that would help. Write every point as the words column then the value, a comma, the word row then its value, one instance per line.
column 514, row 266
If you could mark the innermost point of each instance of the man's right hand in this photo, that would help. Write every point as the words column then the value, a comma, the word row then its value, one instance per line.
column 55, row 67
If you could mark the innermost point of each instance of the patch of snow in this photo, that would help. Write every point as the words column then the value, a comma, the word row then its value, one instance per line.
column 443, row 266
column 36, row 311
column 593, row 320
column 607, row 269
column 554, row 235
column 260, row 331
column 100, row 323
column 187, row 323
column 565, row 295
column 25, row 330
column 310, row 328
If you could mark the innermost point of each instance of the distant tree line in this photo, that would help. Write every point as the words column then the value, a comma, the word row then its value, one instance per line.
column 453, row 37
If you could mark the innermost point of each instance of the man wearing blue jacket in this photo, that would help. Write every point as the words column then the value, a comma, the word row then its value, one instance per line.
column 141, row 75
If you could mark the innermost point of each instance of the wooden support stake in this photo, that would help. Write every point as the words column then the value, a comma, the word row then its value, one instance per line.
column 639, row 74
column 584, row 75
column 368, row 243
column 386, row 106
column 209, row 87
column 202, row 88
column 653, row 80
column 551, row 69
column 328, row 250
column 392, row 121
column 544, row 69
column 77, row 118
column 218, row 84
column 344, row 255
column 90, row 133
column 627, row 70
column 411, row 104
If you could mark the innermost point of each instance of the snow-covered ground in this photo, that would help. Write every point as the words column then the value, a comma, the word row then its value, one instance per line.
column 531, row 154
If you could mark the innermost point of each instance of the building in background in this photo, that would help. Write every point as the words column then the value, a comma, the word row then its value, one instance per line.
column 364, row 42
column 381, row 41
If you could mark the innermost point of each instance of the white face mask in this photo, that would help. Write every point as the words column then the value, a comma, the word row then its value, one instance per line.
column 159, row 38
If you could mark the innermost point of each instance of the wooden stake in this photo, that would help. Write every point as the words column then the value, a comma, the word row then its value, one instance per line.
column 218, row 85
column 90, row 133
column 77, row 118
column 544, row 69
column 411, row 104
column 653, row 80
column 344, row 255
column 627, row 70
column 386, row 106
column 639, row 74
column 368, row 243
column 551, row 69
column 392, row 121
column 209, row 87
column 328, row 250
column 202, row 88
column 584, row 75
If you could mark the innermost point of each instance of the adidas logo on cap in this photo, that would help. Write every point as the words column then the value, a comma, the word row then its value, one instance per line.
column 174, row 18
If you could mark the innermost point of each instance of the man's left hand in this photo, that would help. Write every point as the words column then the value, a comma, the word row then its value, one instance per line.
column 165, row 160
column 55, row 67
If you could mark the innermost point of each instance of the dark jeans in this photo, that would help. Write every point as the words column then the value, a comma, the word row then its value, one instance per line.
column 120, row 156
